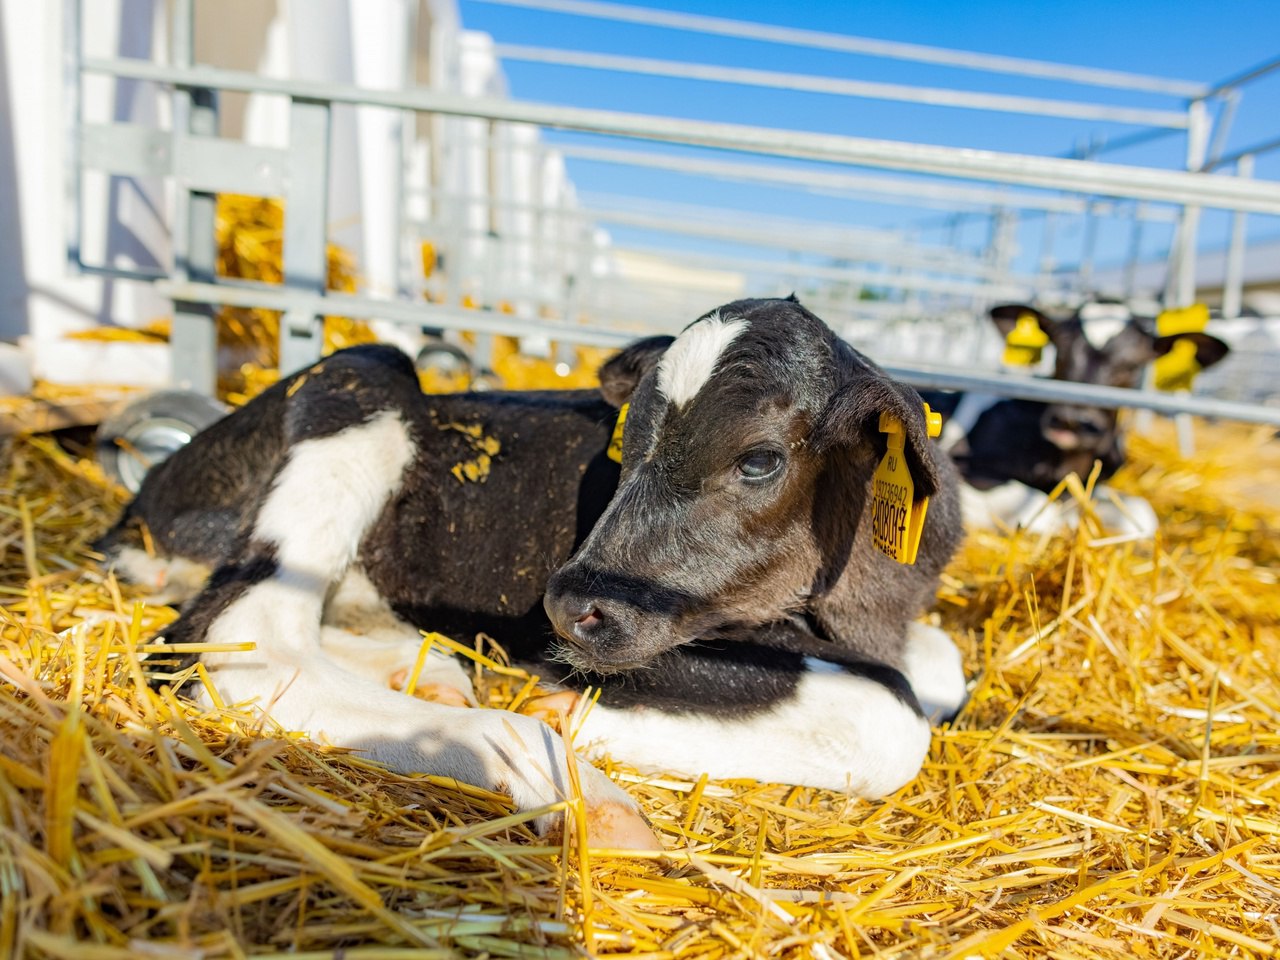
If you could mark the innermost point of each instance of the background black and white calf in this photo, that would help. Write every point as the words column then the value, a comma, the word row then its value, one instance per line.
column 721, row 585
column 1012, row 452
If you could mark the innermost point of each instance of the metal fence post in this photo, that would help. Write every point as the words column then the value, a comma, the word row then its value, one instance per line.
column 193, row 341
column 73, row 119
column 1136, row 227
column 1182, row 282
column 1233, row 283
column 306, row 216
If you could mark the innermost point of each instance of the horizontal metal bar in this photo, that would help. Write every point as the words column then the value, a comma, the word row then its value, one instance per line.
column 398, row 311
column 126, row 149
column 889, row 49
column 481, row 321
column 913, row 192
column 205, row 164
column 870, row 278
column 835, row 86
column 1251, row 151
column 119, row 272
column 1246, row 76
column 219, row 165
column 909, row 191
column 1061, row 391
column 799, row 236
column 1081, row 176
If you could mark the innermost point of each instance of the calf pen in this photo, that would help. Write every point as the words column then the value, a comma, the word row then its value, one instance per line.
column 1110, row 790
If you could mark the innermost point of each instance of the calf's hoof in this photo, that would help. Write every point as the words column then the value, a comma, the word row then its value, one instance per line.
column 432, row 692
column 551, row 708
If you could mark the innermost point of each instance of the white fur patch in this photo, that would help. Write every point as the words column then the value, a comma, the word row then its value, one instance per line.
column 329, row 494
column 173, row 579
column 970, row 409
column 363, row 634
column 933, row 664
column 1014, row 505
column 691, row 360
column 1102, row 321
column 837, row 732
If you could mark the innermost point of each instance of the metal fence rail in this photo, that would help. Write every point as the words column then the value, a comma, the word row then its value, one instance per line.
column 1050, row 173
column 815, row 39
column 936, row 378
column 940, row 281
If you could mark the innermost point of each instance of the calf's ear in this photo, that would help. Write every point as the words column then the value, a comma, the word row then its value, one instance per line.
column 1209, row 349
column 852, row 419
column 1005, row 317
column 620, row 375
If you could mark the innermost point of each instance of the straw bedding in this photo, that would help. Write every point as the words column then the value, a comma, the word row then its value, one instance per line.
column 1111, row 789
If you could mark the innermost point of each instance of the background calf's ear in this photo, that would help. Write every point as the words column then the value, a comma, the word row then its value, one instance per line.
column 852, row 418
column 1005, row 317
column 620, row 375
column 1209, row 349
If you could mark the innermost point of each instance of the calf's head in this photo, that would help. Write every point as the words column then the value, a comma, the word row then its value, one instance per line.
column 1103, row 344
column 749, row 442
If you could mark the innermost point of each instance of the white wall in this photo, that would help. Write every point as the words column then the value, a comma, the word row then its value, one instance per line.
column 37, row 294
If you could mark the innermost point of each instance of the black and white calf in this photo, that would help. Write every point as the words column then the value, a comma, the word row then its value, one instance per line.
column 720, row 585
column 1012, row 453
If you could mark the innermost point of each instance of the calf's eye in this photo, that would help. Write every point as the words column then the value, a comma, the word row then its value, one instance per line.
column 760, row 465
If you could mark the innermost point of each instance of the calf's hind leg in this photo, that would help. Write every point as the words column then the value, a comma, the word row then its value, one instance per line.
column 305, row 535
column 363, row 635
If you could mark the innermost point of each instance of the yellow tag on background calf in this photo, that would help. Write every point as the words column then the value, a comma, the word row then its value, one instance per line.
column 1192, row 319
column 1025, row 343
column 1177, row 369
column 615, row 443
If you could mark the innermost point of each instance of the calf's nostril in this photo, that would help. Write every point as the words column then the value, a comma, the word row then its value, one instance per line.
column 590, row 619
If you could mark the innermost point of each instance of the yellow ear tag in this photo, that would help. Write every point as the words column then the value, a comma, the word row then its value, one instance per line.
column 1192, row 319
column 1025, row 342
column 1177, row 369
column 897, row 520
column 615, row 443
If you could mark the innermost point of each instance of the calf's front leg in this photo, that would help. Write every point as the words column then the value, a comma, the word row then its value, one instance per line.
column 781, row 714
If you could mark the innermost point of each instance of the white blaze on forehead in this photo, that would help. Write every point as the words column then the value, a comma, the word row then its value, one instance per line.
column 689, row 362
column 1102, row 321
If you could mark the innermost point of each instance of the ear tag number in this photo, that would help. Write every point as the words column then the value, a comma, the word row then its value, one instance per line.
column 1192, row 319
column 1025, row 343
column 615, row 443
column 1177, row 369
column 897, row 519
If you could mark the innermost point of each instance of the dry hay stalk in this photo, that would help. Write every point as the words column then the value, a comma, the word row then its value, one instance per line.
column 1111, row 790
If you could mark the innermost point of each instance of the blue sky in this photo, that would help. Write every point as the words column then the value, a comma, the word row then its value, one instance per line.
column 1185, row 40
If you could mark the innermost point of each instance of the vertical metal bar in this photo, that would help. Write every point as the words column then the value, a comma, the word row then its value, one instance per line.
column 72, row 112
column 1222, row 128
column 1047, row 261
column 1233, row 283
column 1136, row 228
column 306, row 217
column 408, row 255
column 1088, row 249
column 1184, row 290
column 1198, row 129
column 193, row 340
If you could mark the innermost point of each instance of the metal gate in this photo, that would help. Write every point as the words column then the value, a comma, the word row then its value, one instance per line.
column 567, row 301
